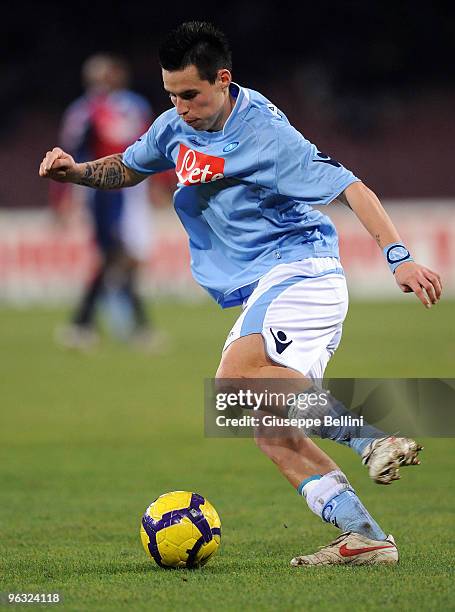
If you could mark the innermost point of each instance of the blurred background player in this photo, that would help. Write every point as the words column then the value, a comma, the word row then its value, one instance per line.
column 108, row 117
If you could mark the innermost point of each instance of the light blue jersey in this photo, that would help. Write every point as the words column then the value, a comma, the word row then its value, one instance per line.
column 245, row 194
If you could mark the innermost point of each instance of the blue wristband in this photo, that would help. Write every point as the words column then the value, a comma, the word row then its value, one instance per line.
column 396, row 253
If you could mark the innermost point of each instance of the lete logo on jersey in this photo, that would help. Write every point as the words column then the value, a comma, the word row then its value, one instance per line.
column 195, row 167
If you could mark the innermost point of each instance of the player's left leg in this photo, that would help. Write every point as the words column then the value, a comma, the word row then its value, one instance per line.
column 84, row 315
column 314, row 475
column 131, row 290
column 304, row 464
column 252, row 355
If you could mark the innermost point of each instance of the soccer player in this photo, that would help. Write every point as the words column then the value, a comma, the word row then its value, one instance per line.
column 104, row 120
column 247, row 184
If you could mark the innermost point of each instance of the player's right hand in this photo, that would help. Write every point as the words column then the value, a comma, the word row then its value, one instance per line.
column 59, row 166
column 426, row 284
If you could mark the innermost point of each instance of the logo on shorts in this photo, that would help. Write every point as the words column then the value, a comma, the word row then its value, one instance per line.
column 280, row 341
column 195, row 167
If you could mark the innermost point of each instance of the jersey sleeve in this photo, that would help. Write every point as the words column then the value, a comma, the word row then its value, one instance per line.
column 306, row 174
column 145, row 155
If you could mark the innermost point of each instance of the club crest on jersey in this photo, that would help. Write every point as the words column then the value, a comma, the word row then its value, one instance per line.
column 231, row 146
column 194, row 167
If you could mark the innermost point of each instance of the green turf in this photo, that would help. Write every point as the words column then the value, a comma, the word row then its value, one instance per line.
column 88, row 441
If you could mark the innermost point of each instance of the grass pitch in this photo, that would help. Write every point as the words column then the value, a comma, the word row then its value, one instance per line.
column 88, row 441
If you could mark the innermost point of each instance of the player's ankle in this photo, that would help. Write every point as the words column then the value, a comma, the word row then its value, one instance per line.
column 333, row 499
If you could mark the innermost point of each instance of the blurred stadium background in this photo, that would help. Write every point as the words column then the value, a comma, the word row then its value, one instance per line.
column 371, row 83
column 87, row 443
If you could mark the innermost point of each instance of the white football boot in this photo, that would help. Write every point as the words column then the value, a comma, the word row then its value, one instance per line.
column 354, row 549
column 385, row 456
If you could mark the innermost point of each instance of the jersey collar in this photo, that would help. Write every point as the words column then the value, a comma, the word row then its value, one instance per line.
column 242, row 102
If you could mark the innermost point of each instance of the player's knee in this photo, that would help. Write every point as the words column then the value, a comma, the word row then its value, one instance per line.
column 244, row 358
column 224, row 372
column 230, row 369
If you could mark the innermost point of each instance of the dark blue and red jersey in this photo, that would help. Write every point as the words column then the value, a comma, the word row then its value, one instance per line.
column 100, row 124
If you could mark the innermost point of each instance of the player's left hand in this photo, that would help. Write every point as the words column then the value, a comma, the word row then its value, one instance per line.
column 426, row 284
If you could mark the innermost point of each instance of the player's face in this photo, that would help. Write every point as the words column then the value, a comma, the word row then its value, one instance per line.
column 203, row 105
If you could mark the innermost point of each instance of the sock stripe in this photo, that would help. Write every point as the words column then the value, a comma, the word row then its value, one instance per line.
column 306, row 481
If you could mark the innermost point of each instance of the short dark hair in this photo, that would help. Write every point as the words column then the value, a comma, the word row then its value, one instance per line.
column 196, row 43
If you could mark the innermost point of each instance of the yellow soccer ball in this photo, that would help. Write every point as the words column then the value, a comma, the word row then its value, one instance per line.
column 181, row 529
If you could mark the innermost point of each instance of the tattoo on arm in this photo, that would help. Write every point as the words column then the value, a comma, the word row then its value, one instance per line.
column 377, row 237
column 106, row 173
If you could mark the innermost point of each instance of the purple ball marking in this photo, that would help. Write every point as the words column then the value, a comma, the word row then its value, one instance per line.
column 147, row 523
column 192, row 552
column 199, row 519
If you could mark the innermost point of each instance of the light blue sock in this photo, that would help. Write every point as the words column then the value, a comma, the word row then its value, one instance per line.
column 354, row 436
column 333, row 499
column 358, row 445
column 347, row 512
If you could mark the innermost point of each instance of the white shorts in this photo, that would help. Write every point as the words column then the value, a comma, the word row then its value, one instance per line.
column 299, row 309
